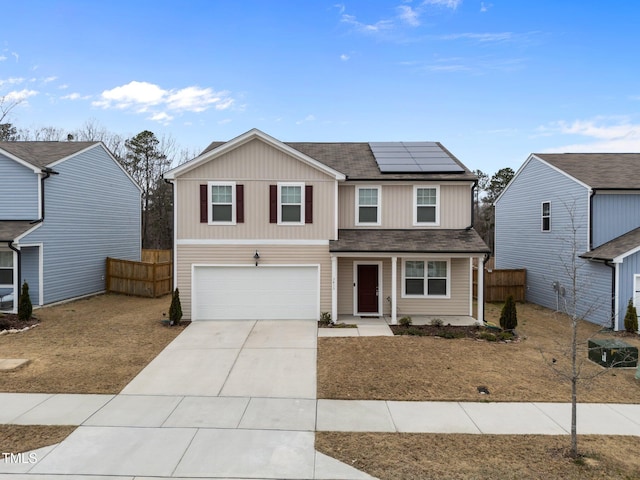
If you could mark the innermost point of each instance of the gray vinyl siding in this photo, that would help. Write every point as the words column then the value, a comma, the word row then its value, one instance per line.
column 520, row 242
column 18, row 191
column 92, row 211
column 30, row 272
column 614, row 215
column 627, row 270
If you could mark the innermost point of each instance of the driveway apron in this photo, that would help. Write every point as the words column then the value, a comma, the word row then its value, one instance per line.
column 226, row 399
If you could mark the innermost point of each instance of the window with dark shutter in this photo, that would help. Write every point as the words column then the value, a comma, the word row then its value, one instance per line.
column 239, row 203
column 273, row 204
column 308, row 204
column 204, row 204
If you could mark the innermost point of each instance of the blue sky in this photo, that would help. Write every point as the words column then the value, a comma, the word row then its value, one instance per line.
column 492, row 80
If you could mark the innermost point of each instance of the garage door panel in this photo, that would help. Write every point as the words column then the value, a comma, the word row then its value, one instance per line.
column 248, row 293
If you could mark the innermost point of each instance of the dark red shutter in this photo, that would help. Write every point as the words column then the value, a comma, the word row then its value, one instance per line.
column 308, row 204
column 273, row 204
column 204, row 204
column 239, row 203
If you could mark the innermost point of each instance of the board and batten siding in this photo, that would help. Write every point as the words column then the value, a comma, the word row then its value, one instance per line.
column 521, row 243
column 234, row 254
column 255, row 165
column 92, row 211
column 18, row 191
column 398, row 203
column 614, row 214
column 458, row 304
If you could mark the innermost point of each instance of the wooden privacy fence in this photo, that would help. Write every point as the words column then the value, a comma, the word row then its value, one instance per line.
column 498, row 284
column 152, row 277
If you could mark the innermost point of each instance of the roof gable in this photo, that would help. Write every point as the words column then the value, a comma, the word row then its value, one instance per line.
column 39, row 155
column 218, row 149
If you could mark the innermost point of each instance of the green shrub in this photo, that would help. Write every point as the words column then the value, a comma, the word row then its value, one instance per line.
column 488, row 336
column 325, row 318
column 25, row 308
column 437, row 322
column 504, row 336
column 175, row 310
column 631, row 318
column 450, row 334
column 509, row 316
column 406, row 321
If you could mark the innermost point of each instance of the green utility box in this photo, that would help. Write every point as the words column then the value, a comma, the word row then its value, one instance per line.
column 613, row 353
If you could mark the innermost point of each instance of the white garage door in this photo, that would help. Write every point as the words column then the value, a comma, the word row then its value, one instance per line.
column 256, row 293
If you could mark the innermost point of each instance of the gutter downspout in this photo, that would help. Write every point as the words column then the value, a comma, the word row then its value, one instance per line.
column 487, row 256
column 613, row 293
column 591, row 195
column 47, row 173
column 473, row 204
column 174, row 234
column 17, row 292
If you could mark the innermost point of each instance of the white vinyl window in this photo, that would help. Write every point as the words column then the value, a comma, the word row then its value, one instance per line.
column 426, row 209
column 426, row 278
column 222, row 201
column 546, row 217
column 367, row 205
column 291, row 203
column 6, row 280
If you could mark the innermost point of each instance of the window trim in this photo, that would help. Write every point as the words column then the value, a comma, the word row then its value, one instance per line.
column 416, row 223
column 378, row 205
column 12, row 285
column 210, row 202
column 302, row 202
column 425, row 294
column 543, row 217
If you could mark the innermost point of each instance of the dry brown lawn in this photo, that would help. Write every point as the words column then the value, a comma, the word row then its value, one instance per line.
column 393, row 456
column 432, row 368
column 94, row 345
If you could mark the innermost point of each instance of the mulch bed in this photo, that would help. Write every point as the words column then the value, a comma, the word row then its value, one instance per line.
column 446, row 331
column 11, row 321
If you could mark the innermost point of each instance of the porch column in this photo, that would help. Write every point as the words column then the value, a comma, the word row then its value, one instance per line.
column 334, row 289
column 394, row 290
column 480, row 290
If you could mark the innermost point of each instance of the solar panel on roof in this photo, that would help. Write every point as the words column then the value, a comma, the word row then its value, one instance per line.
column 408, row 157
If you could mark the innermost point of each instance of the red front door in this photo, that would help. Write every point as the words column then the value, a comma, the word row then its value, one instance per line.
column 368, row 289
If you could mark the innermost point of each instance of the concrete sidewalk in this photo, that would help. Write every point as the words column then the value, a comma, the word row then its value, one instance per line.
column 238, row 400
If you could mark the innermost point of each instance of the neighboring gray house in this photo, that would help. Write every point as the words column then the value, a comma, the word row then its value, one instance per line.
column 595, row 195
column 64, row 208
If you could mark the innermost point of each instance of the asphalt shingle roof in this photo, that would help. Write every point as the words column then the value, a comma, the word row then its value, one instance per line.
column 356, row 161
column 599, row 170
column 616, row 247
column 408, row 241
column 41, row 154
column 11, row 229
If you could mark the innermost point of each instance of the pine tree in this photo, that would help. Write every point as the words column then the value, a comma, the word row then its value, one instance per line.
column 25, row 308
column 509, row 316
column 631, row 318
column 175, row 310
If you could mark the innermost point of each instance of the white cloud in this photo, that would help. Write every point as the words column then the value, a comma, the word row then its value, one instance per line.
column 409, row 15
column 49, row 79
column 484, row 7
column 143, row 97
column 19, row 96
column 377, row 27
column 603, row 134
column 75, row 96
column 16, row 56
column 481, row 37
column 344, row 57
column 452, row 4
column 308, row 118
column 11, row 81
column 2, row 58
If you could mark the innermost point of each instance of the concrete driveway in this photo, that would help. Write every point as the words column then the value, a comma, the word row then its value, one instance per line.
column 232, row 399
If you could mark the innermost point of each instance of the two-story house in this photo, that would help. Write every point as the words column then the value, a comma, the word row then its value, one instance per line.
column 64, row 208
column 273, row 230
column 574, row 216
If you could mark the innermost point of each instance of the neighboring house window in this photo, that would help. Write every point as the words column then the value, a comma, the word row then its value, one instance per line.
column 426, row 278
column 221, row 203
column 426, row 206
column 367, row 205
column 6, row 280
column 546, row 216
column 291, row 203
